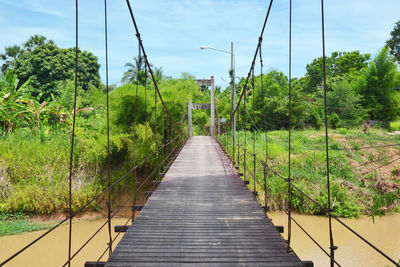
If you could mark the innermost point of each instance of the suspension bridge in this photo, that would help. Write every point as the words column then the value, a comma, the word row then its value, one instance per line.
column 200, row 210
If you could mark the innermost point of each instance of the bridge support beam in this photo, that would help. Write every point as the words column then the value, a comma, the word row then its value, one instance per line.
column 212, row 108
column 308, row 263
column 95, row 264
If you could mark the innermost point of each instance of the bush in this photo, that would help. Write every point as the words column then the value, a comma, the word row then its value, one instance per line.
column 395, row 126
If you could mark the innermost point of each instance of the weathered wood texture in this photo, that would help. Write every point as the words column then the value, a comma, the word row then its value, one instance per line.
column 202, row 214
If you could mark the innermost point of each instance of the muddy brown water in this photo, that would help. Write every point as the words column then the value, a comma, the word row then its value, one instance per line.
column 385, row 234
column 52, row 250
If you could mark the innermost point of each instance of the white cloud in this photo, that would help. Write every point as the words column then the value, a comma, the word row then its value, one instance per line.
column 39, row 6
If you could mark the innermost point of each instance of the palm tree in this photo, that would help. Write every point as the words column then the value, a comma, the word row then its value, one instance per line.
column 10, row 56
column 158, row 73
column 36, row 40
column 136, row 71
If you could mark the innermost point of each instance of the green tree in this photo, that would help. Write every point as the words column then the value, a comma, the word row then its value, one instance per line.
column 338, row 64
column 158, row 73
column 9, row 57
column 376, row 85
column 344, row 104
column 276, row 90
column 46, row 65
column 394, row 42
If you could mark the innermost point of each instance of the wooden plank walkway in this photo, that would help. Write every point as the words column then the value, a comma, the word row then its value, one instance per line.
column 202, row 214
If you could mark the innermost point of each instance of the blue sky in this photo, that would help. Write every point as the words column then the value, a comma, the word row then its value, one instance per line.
column 174, row 30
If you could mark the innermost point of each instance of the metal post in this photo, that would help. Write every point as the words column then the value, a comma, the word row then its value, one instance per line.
column 219, row 125
column 190, row 123
column 212, row 108
column 233, row 126
column 233, row 88
column 245, row 137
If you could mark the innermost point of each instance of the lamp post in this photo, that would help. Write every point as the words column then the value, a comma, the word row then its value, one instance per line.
column 233, row 93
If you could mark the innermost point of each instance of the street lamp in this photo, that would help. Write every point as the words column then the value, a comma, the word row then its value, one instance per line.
column 233, row 95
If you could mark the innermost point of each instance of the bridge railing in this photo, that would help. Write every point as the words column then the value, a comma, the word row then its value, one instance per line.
column 241, row 154
column 173, row 138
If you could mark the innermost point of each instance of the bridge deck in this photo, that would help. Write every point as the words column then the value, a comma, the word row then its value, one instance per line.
column 202, row 214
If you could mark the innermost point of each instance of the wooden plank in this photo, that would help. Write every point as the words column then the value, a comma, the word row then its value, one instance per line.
column 202, row 214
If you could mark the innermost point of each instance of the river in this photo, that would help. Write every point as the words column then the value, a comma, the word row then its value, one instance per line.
column 385, row 234
column 352, row 252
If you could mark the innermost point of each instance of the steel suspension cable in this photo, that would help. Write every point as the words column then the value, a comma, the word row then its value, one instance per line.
column 332, row 246
column 73, row 132
column 290, row 132
column 245, row 140
column 238, row 141
column 148, row 63
column 108, row 133
column 254, row 137
column 145, row 113
column 134, row 131
column 265, row 130
column 155, row 118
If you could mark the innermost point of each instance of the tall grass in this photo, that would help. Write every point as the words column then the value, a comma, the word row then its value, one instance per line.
column 34, row 173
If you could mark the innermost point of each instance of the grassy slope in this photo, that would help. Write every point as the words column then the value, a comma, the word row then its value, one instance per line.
column 356, row 187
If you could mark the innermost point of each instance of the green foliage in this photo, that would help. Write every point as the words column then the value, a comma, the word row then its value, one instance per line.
column 47, row 64
column 343, row 111
column 383, row 201
column 14, row 109
column 338, row 64
column 342, row 203
column 34, row 162
column 376, row 87
column 395, row 126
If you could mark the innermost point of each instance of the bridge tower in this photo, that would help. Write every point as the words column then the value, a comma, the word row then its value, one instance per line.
column 211, row 107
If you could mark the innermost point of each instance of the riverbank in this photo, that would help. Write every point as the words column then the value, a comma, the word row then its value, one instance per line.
column 11, row 224
column 16, row 223
column 364, row 169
